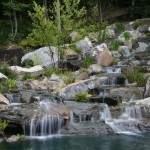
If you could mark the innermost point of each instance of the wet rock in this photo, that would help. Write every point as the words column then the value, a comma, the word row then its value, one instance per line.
column 145, row 101
column 4, row 100
column 25, row 97
column 127, row 93
column 147, row 88
column 85, row 128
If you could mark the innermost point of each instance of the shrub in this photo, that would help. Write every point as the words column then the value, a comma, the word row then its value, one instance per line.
column 68, row 77
column 28, row 76
column 120, row 27
column 27, row 63
column 127, row 36
column 136, row 76
column 3, row 125
column 87, row 61
column 49, row 71
column 4, row 70
column 136, row 24
column 81, row 97
column 114, row 45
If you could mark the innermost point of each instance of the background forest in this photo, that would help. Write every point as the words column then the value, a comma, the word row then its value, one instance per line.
column 20, row 20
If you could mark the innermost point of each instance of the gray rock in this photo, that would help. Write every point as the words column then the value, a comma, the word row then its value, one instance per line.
column 26, row 97
column 20, row 72
column 95, row 68
column 13, row 138
column 2, row 77
column 68, row 92
column 125, row 51
column 143, row 28
column 142, row 47
column 85, row 44
column 42, row 56
column 4, row 100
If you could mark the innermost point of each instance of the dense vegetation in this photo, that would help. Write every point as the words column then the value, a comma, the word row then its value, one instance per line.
column 29, row 20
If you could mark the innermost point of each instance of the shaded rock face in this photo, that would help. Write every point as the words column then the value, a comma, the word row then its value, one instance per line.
column 18, row 115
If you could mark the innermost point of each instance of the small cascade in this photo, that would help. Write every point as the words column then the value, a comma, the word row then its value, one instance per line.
column 113, row 69
column 46, row 123
column 13, row 98
column 72, row 119
column 126, row 123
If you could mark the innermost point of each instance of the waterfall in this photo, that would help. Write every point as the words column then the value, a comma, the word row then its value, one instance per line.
column 13, row 98
column 126, row 123
column 46, row 125
column 113, row 70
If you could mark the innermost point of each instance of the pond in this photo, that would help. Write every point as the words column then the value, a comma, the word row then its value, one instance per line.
column 84, row 142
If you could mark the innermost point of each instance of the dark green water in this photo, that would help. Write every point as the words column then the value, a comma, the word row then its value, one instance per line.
column 106, row 142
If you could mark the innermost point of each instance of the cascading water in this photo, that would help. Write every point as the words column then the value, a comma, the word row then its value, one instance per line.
column 13, row 98
column 113, row 70
column 127, row 122
column 45, row 124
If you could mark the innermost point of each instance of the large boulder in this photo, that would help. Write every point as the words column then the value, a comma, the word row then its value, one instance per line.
column 68, row 92
column 43, row 56
column 20, row 72
column 4, row 100
column 2, row 77
column 105, row 58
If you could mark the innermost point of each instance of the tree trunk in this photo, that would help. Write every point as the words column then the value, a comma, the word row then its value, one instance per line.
column 99, row 11
column 16, row 23
column 46, row 12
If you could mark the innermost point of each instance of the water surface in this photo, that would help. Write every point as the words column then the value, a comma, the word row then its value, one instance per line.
column 105, row 142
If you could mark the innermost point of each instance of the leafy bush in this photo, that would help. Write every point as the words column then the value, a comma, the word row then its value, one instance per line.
column 3, row 125
column 4, row 70
column 28, row 76
column 27, row 63
column 127, row 36
column 114, row 45
column 136, row 24
column 136, row 76
column 81, row 97
column 76, row 49
column 87, row 61
column 49, row 71
column 120, row 27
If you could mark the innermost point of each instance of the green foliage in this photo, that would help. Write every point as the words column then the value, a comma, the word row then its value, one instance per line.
column 136, row 76
column 114, row 45
column 49, row 71
column 27, row 63
column 87, row 61
column 136, row 24
column 3, row 125
column 82, row 97
column 20, row 136
column 75, row 48
column 120, row 27
column 4, row 70
column 28, row 76
column 127, row 36
column 44, row 30
column 68, row 77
